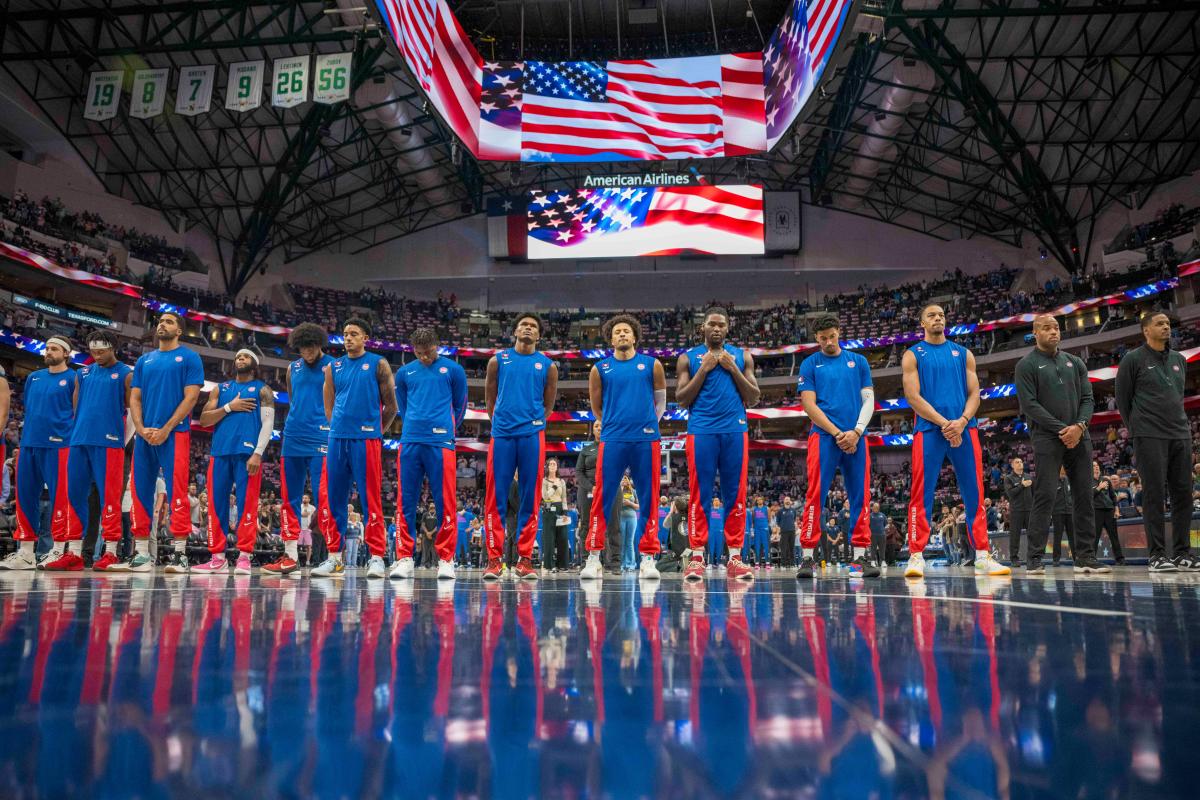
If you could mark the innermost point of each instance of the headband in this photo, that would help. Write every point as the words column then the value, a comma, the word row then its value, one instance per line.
column 61, row 342
column 250, row 353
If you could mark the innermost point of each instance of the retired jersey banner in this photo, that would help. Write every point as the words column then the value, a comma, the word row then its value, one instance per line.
column 104, row 95
column 243, row 92
column 149, row 93
column 289, row 87
column 331, row 78
column 193, row 93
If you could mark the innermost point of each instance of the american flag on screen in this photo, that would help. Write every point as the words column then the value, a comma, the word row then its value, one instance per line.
column 646, row 221
column 798, row 51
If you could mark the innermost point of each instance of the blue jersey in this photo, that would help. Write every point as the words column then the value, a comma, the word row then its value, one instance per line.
column 237, row 433
column 716, row 521
column 628, row 399
column 306, row 430
column 942, row 371
column 49, row 408
column 162, row 376
column 100, row 413
column 357, row 410
column 520, row 394
column 718, row 408
column 762, row 518
column 432, row 401
column 838, row 382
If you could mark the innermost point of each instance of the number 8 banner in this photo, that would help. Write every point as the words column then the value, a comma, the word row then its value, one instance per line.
column 104, row 95
column 243, row 92
column 331, row 82
column 148, row 93
column 290, row 87
column 194, row 92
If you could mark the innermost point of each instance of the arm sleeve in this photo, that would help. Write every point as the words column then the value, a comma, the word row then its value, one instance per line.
column 1087, row 401
column 660, row 403
column 1124, row 387
column 1027, row 396
column 868, row 407
column 266, row 417
column 458, row 386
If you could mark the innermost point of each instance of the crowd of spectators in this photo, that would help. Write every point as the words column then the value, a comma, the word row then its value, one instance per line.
column 1170, row 221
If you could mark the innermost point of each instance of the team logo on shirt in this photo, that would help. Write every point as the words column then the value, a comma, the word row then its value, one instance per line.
column 63, row 382
column 954, row 353
column 641, row 366
column 179, row 359
column 535, row 366
column 801, row 380
column 114, row 376
column 444, row 370
column 851, row 364
column 366, row 366
column 1175, row 367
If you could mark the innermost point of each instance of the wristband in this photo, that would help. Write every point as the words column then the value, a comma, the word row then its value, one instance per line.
column 225, row 408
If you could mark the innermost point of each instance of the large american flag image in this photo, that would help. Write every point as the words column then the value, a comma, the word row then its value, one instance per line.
column 795, row 58
column 645, row 221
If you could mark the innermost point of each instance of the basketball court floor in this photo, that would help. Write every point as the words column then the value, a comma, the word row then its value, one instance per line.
column 190, row 686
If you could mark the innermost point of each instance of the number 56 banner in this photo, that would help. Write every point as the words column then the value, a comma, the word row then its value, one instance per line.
column 243, row 92
column 331, row 83
column 104, row 95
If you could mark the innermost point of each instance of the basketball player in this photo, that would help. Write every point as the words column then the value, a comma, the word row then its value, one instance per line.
column 431, row 401
column 166, row 385
column 716, row 384
column 49, row 399
column 97, row 452
column 305, row 440
column 243, row 413
column 519, row 392
column 839, row 398
column 628, row 393
column 360, row 404
column 941, row 386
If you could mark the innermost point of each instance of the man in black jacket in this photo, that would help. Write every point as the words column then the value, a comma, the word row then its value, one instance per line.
column 785, row 518
column 1150, row 387
column 1063, row 520
column 1104, row 501
column 585, row 483
column 1020, row 502
column 1056, row 399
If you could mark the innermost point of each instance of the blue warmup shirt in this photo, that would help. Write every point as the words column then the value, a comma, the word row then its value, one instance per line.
column 718, row 408
column 628, row 396
column 162, row 376
column 357, row 410
column 237, row 433
column 520, row 393
column 100, row 414
column 49, row 413
column 942, row 371
column 838, row 382
column 432, row 401
column 305, row 430
column 716, row 521
column 762, row 518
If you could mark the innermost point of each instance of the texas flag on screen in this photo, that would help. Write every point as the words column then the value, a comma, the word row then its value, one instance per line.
column 507, row 230
column 647, row 221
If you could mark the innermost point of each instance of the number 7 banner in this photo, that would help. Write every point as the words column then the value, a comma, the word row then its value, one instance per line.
column 104, row 95
column 194, row 91
column 331, row 78
column 243, row 92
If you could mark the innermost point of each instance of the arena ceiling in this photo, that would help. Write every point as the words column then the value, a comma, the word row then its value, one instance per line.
column 1030, row 119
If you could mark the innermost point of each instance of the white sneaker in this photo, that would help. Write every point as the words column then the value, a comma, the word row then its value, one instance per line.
column 445, row 570
column 916, row 566
column 648, row 569
column 990, row 566
column 403, row 568
column 329, row 568
column 376, row 568
column 18, row 561
column 46, row 558
column 591, row 570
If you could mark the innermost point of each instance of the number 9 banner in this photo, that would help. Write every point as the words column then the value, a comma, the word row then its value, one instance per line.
column 104, row 95
column 243, row 92
column 148, row 93
column 331, row 83
column 290, row 86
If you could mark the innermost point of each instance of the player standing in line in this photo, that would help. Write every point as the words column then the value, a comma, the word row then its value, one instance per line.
column 431, row 401
column 305, row 441
column 97, row 452
column 49, row 400
column 628, row 393
column 360, row 404
column 243, row 413
column 839, row 398
column 942, row 387
column 716, row 384
column 166, row 385
column 519, row 392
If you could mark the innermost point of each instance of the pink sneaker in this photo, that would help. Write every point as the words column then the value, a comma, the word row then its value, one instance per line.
column 217, row 564
column 243, row 565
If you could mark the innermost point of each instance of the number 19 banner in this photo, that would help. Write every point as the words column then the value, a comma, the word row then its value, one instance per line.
column 331, row 82
column 104, row 95
column 290, row 87
column 194, row 92
column 243, row 92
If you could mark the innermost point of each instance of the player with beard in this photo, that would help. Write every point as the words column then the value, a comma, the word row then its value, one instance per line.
column 97, row 452
column 716, row 384
column 305, row 441
column 360, row 404
column 166, row 384
column 49, row 399
column 628, row 393
column 519, row 392
column 942, row 387
column 242, row 412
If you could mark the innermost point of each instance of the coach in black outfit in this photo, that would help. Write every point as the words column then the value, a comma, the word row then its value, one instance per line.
column 1104, row 501
column 1020, row 502
column 1150, row 382
column 1056, row 399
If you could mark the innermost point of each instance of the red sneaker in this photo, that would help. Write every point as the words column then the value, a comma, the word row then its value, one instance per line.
column 284, row 566
column 494, row 570
column 695, row 569
column 525, row 570
column 67, row 562
column 105, row 561
column 737, row 570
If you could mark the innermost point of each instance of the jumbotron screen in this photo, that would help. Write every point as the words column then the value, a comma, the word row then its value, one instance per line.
column 645, row 221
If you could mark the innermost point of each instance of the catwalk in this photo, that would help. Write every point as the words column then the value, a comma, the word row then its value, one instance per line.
column 191, row 686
